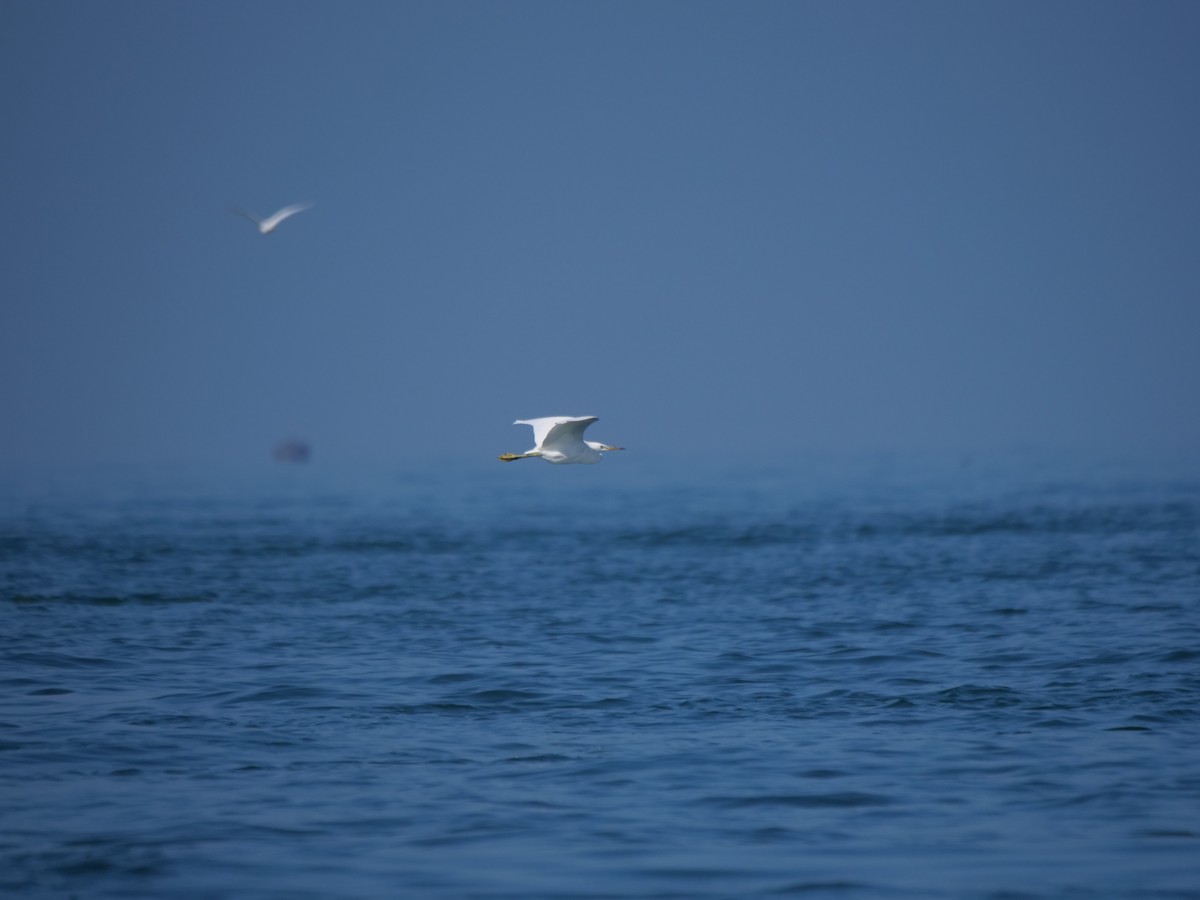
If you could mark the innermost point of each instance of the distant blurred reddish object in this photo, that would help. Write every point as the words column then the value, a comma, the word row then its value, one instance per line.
column 293, row 451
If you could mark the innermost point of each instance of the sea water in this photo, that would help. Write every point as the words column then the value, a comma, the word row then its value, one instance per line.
column 559, row 682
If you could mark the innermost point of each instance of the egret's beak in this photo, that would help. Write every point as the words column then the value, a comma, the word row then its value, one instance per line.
column 606, row 447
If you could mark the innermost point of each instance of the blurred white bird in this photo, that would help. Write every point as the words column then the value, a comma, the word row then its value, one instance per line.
column 271, row 222
column 559, row 439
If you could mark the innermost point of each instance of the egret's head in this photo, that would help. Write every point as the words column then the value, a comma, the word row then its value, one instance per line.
column 596, row 445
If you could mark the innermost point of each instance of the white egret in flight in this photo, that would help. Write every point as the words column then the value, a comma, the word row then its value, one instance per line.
column 271, row 222
column 559, row 439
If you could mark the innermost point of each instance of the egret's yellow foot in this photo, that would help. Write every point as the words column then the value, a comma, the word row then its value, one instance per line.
column 509, row 457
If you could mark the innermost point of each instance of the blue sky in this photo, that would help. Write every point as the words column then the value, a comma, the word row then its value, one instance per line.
column 768, row 228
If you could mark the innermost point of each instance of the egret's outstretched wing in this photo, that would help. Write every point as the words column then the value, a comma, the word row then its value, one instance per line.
column 275, row 218
column 245, row 215
column 551, row 430
column 567, row 434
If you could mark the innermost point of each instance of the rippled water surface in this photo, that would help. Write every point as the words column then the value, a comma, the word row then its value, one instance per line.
column 573, row 682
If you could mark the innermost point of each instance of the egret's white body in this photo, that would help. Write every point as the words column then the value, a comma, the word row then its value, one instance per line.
column 271, row 222
column 559, row 440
